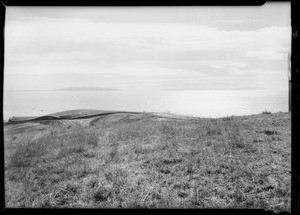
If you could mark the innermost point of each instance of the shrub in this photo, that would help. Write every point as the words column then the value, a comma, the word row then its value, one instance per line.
column 266, row 112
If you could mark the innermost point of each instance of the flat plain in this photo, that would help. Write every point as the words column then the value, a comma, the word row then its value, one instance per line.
column 92, row 159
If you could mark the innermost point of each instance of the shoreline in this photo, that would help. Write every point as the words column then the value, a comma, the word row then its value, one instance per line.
column 92, row 113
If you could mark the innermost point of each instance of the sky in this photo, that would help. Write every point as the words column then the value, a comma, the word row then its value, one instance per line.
column 148, row 48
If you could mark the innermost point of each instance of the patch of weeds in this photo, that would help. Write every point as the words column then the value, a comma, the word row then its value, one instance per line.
column 276, row 138
column 63, row 152
column 13, row 177
column 125, row 132
column 77, row 149
column 238, row 198
column 270, row 132
column 167, row 129
column 182, row 194
column 66, row 150
column 198, row 197
column 138, row 149
column 62, row 197
column 72, row 188
column 261, row 203
column 208, row 143
column 235, row 138
column 55, row 178
column 25, row 153
column 83, row 171
column 17, row 174
column 164, row 170
column 101, row 195
column 249, row 148
column 45, row 202
column 190, row 168
column 228, row 118
column 118, row 178
column 113, row 152
column 172, row 161
column 89, row 155
column 30, row 187
column 91, row 138
column 213, row 131
column 257, row 140
column 282, row 192
column 94, row 182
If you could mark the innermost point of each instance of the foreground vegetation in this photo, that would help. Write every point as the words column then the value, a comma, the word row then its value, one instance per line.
column 147, row 162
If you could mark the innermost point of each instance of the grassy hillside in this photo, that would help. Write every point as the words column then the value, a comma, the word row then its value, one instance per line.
column 145, row 160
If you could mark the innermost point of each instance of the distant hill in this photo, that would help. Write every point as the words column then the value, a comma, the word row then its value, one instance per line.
column 73, row 89
column 87, row 89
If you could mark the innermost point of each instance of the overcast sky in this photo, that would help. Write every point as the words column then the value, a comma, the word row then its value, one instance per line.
column 147, row 48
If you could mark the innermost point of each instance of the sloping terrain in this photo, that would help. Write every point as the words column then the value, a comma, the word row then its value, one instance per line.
column 90, row 158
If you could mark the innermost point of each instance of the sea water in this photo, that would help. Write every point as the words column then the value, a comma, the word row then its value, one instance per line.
column 200, row 103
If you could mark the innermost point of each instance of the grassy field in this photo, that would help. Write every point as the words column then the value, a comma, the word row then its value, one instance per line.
column 150, row 161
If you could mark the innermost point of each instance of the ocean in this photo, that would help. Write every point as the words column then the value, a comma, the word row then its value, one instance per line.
column 200, row 103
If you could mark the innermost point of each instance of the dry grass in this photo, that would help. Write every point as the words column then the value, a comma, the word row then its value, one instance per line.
column 232, row 162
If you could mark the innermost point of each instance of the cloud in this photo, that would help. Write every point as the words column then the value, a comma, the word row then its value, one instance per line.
column 135, row 54
column 239, row 21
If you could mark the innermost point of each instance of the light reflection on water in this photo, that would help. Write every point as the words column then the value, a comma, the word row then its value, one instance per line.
column 202, row 103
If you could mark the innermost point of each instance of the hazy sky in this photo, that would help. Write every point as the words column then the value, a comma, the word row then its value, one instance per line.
column 147, row 48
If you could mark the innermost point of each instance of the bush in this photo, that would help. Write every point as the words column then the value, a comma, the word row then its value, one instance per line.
column 266, row 112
